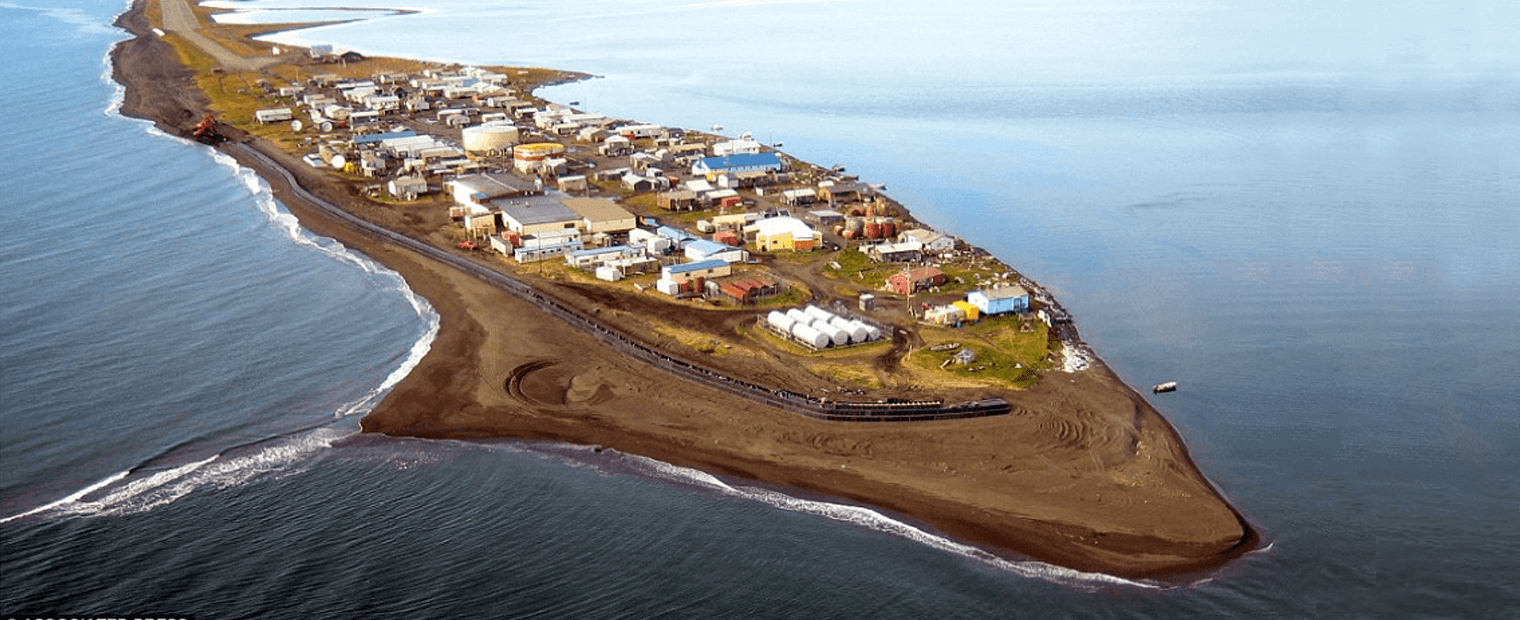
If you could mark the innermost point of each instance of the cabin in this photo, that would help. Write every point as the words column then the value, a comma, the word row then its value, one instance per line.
column 920, row 279
column 896, row 252
column 273, row 115
column 1000, row 299
column 932, row 242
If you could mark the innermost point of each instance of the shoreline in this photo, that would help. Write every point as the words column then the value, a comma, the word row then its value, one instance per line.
column 611, row 401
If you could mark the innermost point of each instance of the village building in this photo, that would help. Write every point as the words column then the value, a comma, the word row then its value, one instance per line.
column 745, row 291
column 535, row 214
column 408, row 187
column 706, row 269
column 922, row 278
column 843, row 191
column 273, row 115
column 799, row 197
column 932, row 242
column 547, row 245
column 824, row 217
column 896, row 252
column 711, row 167
column 598, row 215
column 784, row 233
column 476, row 190
column 678, row 200
column 702, row 249
column 742, row 146
column 592, row 258
column 1000, row 299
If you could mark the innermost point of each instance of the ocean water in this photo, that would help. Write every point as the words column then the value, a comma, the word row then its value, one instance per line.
column 1306, row 217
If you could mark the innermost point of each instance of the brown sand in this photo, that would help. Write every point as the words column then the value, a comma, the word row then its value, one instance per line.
column 1085, row 474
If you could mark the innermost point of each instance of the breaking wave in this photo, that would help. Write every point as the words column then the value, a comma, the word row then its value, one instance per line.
column 873, row 520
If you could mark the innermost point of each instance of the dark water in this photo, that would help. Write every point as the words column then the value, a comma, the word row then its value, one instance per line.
column 1307, row 221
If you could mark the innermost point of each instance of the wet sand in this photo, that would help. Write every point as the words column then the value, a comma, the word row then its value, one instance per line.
column 1085, row 474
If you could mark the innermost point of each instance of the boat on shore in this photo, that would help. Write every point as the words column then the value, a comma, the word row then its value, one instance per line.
column 1169, row 386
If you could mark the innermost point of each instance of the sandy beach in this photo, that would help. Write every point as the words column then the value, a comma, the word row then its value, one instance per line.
column 1084, row 474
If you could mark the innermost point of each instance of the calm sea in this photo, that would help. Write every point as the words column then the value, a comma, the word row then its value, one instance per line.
column 1305, row 216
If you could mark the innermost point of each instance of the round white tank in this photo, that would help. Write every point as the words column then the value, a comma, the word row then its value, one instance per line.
column 872, row 332
column 780, row 321
column 818, row 313
column 857, row 332
column 799, row 316
column 839, row 336
column 807, row 334
column 490, row 138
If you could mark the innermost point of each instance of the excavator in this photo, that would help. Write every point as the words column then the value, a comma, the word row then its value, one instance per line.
column 206, row 132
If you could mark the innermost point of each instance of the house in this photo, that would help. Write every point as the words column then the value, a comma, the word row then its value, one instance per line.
column 576, row 183
column 650, row 240
column 711, row 167
column 273, row 115
column 536, row 214
column 734, row 221
column 915, row 280
column 797, row 197
column 636, row 183
column 784, row 233
column 945, row 315
column 908, row 252
column 1000, row 299
column 932, row 242
column 598, row 215
column 742, row 146
column 678, row 200
column 843, row 191
column 825, row 217
column 407, row 188
column 702, row 249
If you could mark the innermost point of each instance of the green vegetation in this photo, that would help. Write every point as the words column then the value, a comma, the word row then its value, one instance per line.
column 1006, row 355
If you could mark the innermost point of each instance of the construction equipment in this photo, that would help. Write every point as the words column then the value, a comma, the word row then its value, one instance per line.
column 206, row 132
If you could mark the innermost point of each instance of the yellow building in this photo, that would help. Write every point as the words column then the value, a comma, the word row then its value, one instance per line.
column 784, row 233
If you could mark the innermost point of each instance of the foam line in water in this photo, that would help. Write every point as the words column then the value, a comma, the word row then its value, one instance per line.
column 870, row 519
column 280, row 458
column 72, row 497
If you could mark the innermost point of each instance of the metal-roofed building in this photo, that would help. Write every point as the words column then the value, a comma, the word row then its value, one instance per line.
column 713, row 166
column 1000, row 299
column 534, row 214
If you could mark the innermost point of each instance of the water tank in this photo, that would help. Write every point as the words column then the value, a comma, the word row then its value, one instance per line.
column 873, row 229
column 872, row 332
column 855, row 226
column 838, row 336
column 780, row 321
column 888, row 229
column 818, row 313
column 799, row 316
column 338, row 161
column 812, row 337
column 490, row 138
column 857, row 331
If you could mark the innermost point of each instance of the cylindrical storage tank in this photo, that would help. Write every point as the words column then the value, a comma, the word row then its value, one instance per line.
column 780, row 321
column 872, row 332
column 812, row 337
column 338, row 161
column 818, row 313
column 489, row 138
column 799, row 316
column 855, row 225
column 839, row 336
column 889, row 228
column 873, row 229
column 856, row 331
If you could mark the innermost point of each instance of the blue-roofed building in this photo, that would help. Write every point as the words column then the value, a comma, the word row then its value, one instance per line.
column 700, row 269
column 702, row 249
column 376, row 138
column 1000, row 299
column 678, row 238
column 711, row 167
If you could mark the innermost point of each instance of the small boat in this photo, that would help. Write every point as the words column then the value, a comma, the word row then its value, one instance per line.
column 1169, row 386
